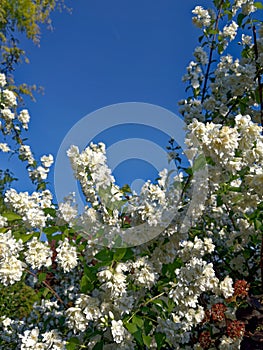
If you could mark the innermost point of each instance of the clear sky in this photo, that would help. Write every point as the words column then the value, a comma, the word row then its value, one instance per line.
column 107, row 52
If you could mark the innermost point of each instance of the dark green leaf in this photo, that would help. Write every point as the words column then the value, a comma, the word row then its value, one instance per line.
column 98, row 346
column 86, row 284
column 240, row 18
column 160, row 339
column 104, row 255
column 119, row 254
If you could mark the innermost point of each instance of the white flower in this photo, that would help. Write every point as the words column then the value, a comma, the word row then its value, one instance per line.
column 40, row 172
column 228, row 343
column 47, row 161
column 89, row 307
column 76, row 320
column 11, row 270
column 144, row 273
column 118, row 331
column 6, row 321
column 226, row 287
column 4, row 147
column 246, row 39
column 67, row 210
column 29, row 338
column 2, row 80
column 9, row 98
column 38, row 254
column 9, row 245
column 7, row 114
column 53, row 340
column 35, row 217
column 24, row 118
column 230, row 30
column 29, row 207
column 201, row 55
column 26, row 154
column 203, row 18
column 114, row 281
column 66, row 255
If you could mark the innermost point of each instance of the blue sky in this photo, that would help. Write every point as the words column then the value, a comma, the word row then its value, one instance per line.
column 107, row 52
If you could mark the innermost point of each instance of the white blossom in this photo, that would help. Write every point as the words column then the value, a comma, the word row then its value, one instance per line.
column 230, row 30
column 117, row 331
column 47, row 161
column 2, row 80
column 9, row 98
column 24, row 118
column 203, row 18
column 38, row 254
column 226, row 287
column 66, row 255
column 4, row 147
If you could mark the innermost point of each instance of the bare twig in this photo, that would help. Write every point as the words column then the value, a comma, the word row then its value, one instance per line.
column 258, row 75
column 211, row 52
column 48, row 286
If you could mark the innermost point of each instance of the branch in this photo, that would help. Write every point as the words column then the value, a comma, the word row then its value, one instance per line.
column 211, row 52
column 258, row 75
column 48, row 286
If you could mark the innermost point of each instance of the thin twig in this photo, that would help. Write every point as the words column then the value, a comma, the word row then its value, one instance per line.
column 144, row 304
column 211, row 52
column 48, row 286
column 258, row 75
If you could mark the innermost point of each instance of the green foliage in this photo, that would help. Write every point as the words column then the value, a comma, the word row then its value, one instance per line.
column 17, row 300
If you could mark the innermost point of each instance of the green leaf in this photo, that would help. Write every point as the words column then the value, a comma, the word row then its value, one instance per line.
column 258, row 5
column 126, row 189
column 45, row 292
column 24, row 236
column 73, row 344
column 11, row 216
column 219, row 201
column 104, row 255
column 41, row 277
column 51, row 230
column 240, row 18
column 98, row 346
column 85, row 284
column 128, row 255
column 146, row 340
column 119, row 254
column 257, row 224
column 160, row 339
column 212, row 31
column 50, row 211
column 131, row 327
column 138, row 337
column 138, row 321
column 159, row 302
column 199, row 163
